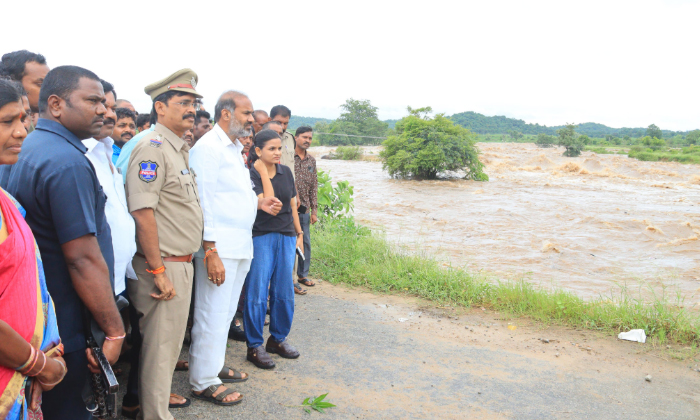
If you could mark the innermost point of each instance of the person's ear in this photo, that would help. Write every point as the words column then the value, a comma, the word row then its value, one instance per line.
column 258, row 151
column 160, row 108
column 54, row 106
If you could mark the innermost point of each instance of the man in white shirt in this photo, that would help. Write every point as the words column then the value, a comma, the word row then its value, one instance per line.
column 229, row 206
column 120, row 221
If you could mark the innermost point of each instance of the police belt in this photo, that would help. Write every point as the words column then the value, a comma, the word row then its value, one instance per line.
column 183, row 258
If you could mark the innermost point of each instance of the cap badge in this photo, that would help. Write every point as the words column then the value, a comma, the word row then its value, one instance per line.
column 193, row 82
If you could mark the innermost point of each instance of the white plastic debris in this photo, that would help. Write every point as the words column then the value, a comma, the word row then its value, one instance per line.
column 403, row 319
column 633, row 335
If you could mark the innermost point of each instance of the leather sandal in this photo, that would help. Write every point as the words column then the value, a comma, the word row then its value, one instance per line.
column 226, row 377
column 307, row 282
column 207, row 395
column 179, row 405
column 298, row 290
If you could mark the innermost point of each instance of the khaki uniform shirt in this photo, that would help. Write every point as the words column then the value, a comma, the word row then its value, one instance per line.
column 159, row 177
column 288, row 147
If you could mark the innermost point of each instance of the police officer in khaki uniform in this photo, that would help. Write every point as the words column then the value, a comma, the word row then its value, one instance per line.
column 282, row 114
column 163, row 199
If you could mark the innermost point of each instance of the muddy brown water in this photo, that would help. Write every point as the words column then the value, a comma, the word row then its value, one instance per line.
column 589, row 224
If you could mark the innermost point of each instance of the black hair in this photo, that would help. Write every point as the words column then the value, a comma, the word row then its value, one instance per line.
column 280, row 110
column 62, row 81
column 260, row 140
column 267, row 125
column 9, row 92
column 302, row 130
column 108, row 87
column 202, row 114
column 164, row 97
column 13, row 63
column 142, row 119
column 125, row 113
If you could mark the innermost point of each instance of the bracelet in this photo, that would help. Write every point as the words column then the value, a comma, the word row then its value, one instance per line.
column 210, row 251
column 65, row 370
column 43, row 365
column 121, row 337
column 157, row 270
column 29, row 360
column 300, row 233
column 26, row 371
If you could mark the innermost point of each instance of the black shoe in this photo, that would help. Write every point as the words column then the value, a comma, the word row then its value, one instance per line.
column 236, row 332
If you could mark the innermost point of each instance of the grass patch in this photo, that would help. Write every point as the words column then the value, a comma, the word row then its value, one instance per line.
column 345, row 252
column 689, row 154
column 348, row 153
column 603, row 150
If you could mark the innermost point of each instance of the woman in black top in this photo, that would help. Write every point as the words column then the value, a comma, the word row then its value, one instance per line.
column 275, row 239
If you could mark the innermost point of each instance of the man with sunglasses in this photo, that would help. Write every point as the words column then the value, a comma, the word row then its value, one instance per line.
column 164, row 201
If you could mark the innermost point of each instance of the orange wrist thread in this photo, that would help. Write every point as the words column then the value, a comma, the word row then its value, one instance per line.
column 157, row 270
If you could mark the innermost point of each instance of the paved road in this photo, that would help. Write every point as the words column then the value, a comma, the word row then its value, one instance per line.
column 385, row 357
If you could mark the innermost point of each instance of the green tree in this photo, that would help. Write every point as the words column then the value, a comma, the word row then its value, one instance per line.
column 693, row 137
column 425, row 147
column 544, row 140
column 654, row 132
column 359, row 119
column 568, row 138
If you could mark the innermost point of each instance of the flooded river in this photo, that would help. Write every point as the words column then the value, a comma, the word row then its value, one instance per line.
column 584, row 224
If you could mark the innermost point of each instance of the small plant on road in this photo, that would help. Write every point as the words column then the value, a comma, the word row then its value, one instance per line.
column 316, row 403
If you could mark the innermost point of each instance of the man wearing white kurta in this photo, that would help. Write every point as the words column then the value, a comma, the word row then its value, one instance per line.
column 229, row 205
column 116, row 211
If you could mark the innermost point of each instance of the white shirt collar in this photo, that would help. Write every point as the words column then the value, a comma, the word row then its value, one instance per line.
column 225, row 138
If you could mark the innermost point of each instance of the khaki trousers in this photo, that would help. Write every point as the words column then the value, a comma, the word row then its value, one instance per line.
column 163, row 325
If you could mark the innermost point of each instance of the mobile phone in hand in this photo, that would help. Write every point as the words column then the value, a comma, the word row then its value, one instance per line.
column 301, row 254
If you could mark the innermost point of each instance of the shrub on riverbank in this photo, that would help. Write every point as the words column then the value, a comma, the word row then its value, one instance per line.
column 685, row 155
column 345, row 252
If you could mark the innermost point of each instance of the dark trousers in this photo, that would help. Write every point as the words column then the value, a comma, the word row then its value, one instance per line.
column 65, row 401
column 303, row 265
column 131, row 398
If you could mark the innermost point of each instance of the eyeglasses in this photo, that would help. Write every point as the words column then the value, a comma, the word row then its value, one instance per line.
column 187, row 104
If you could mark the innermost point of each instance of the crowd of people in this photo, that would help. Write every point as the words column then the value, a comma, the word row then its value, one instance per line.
column 142, row 225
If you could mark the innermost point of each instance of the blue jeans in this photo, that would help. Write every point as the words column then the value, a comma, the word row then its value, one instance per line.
column 270, row 270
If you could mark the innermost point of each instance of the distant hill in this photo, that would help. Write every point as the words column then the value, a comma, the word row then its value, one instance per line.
column 499, row 124
column 296, row 121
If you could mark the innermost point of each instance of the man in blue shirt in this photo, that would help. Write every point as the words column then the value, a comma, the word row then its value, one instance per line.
column 58, row 187
column 125, row 154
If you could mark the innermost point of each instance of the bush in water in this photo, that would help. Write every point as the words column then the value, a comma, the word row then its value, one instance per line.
column 424, row 147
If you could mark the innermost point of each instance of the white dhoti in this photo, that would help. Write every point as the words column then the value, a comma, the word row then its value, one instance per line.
column 214, row 309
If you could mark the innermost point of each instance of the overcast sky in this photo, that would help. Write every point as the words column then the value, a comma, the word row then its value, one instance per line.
column 620, row 63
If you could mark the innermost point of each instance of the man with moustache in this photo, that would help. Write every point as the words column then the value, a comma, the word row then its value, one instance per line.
column 224, row 184
column 61, row 193
column 307, row 189
column 29, row 69
column 164, row 201
column 282, row 114
column 125, row 127
column 99, row 152
column 261, row 118
column 202, row 125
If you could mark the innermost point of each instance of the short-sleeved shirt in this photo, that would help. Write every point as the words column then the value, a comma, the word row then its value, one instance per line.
column 125, row 153
column 283, row 185
column 289, row 145
column 159, row 177
column 57, row 186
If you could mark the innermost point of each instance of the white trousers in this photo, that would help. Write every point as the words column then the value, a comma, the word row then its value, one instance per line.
column 214, row 309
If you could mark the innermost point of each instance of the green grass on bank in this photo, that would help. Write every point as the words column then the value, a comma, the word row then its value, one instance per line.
column 689, row 154
column 607, row 150
column 345, row 252
column 348, row 153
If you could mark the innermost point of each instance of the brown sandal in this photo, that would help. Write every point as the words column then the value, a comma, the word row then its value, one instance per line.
column 298, row 290
column 307, row 282
column 207, row 395
column 226, row 377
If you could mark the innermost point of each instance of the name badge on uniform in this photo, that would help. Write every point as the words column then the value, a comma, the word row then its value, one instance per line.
column 184, row 172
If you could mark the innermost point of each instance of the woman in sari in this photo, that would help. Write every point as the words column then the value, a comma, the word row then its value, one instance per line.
column 30, row 347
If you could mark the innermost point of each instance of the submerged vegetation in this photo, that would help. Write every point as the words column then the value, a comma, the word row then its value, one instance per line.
column 345, row 252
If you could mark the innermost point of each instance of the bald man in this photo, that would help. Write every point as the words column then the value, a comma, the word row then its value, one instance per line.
column 261, row 118
column 123, row 103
